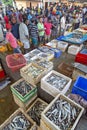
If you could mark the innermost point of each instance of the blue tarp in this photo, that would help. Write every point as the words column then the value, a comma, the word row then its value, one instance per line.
column 67, row 39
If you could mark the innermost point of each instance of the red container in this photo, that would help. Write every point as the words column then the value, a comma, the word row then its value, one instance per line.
column 2, row 74
column 81, row 58
column 15, row 61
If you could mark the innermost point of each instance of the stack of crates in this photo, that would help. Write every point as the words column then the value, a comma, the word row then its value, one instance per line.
column 21, row 98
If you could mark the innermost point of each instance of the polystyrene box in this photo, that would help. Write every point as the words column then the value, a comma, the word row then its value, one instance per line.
column 73, row 49
column 62, row 46
column 50, row 88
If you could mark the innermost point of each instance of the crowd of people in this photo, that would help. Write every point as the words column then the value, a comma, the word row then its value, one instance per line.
column 36, row 26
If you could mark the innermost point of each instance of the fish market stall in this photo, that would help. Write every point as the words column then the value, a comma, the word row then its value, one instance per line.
column 74, row 38
column 62, row 114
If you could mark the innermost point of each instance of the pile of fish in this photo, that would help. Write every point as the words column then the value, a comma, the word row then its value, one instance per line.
column 44, row 49
column 74, row 39
column 34, row 71
column 56, row 81
column 35, row 52
column 19, row 123
column 43, row 55
column 36, row 110
column 62, row 114
column 23, row 87
column 78, row 35
column 44, row 64
column 28, row 57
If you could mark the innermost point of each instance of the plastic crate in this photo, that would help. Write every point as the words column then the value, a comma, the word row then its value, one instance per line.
column 84, row 51
column 28, row 96
column 81, row 58
column 15, row 61
column 52, row 44
column 18, row 111
column 51, row 124
column 62, row 46
column 29, row 76
column 40, row 109
column 73, row 49
column 51, row 89
column 80, row 87
column 57, row 52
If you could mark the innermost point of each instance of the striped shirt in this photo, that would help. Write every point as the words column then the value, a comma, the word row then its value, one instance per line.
column 34, row 31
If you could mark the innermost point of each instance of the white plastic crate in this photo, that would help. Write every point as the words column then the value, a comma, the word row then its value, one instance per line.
column 51, row 89
column 62, row 46
column 52, row 44
column 74, row 49
column 53, row 126
column 28, row 57
column 35, row 52
column 14, row 115
column 46, row 56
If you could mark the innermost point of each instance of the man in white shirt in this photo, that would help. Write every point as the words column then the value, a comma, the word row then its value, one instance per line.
column 63, row 24
column 24, row 36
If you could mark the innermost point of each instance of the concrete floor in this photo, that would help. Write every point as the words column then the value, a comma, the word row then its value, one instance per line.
column 7, row 104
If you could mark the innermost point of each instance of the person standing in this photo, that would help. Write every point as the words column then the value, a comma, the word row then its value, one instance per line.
column 41, row 30
column 15, row 27
column 24, row 36
column 12, row 40
column 34, row 33
column 48, row 26
column 62, row 24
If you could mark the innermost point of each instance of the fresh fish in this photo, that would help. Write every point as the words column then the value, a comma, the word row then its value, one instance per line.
column 18, row 123
column 57, row 81
column 34, row 71
column 62, row 114
column 23, row 87
column 36, row 110
column 45, row 64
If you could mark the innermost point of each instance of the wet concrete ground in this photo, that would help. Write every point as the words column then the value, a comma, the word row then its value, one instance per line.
column 7, row 104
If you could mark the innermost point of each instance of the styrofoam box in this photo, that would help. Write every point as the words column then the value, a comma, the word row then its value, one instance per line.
column 35, row 52
column 51, row 89
column 62, row 46
column 46, row 56
column 52, row 44
column 50, row 124
column 28, row 57
column 73, row 49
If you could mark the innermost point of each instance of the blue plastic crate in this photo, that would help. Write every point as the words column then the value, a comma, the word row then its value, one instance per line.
column 57, row 52
column 80, row 87
column 84, row 51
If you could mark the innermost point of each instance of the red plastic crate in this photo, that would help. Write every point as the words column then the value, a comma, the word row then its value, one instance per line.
column 2, row 74
column 81, row 58
column 15, row 61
